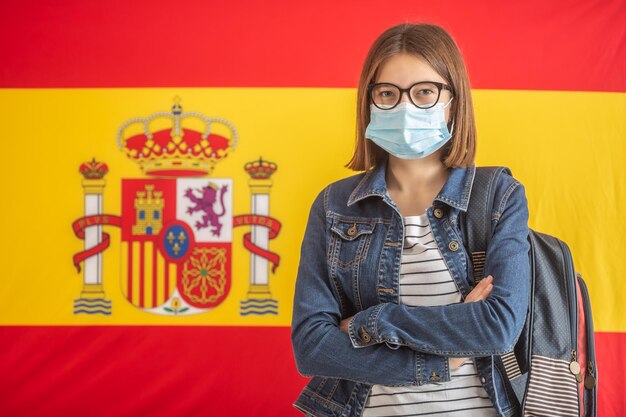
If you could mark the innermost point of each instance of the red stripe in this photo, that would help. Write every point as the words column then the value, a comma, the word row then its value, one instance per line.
column 581, row 347
column 141, row 275
column 154, row 276
column 610, row 353
column 535, row 44
column 130, row 272
column 201, row 371
column 167, row 280
column 147, row 371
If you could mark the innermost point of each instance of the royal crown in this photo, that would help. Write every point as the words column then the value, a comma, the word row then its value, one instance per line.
column 260, row 169
column 93, row 170
column 177, row 144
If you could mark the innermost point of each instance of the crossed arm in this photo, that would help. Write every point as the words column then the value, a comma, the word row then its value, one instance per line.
column 479, row 293
column 494, row 312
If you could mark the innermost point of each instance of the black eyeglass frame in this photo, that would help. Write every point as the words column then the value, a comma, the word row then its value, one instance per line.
column 440, row 86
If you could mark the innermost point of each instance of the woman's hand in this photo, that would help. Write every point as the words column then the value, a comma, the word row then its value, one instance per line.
column 479, row 293
column 344, row 325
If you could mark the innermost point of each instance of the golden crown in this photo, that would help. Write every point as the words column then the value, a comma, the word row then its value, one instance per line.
column 177, row 144
column 260, row 169
column 93, row 170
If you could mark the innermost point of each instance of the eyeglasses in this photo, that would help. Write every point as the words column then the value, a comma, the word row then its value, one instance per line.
column 424, row 94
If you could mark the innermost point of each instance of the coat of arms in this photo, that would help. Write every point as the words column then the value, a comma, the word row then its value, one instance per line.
column 177, row 222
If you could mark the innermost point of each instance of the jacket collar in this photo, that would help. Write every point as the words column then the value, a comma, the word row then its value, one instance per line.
column 455, row 192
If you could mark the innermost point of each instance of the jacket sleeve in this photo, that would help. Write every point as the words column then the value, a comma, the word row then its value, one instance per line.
column 322, row 349
column 483, row 328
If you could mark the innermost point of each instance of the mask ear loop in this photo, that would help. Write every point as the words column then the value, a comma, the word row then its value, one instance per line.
column 434, row 108
column 452, row 122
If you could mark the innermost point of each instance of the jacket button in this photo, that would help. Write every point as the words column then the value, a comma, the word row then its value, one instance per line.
column 438, row 213
column 352, row 230
column 454, row 246
column 365, row 336
column 434, row 377
column 482, row 379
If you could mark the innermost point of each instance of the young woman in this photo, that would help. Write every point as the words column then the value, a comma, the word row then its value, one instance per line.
column 387, row 318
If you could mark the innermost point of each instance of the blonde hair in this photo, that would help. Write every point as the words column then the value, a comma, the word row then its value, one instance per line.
column 434, row 45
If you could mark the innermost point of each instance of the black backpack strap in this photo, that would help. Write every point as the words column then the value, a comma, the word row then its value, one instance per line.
column 476, row 223
column 476, row 227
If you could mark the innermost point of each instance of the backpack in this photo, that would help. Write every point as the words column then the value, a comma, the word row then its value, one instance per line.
column 552, row 369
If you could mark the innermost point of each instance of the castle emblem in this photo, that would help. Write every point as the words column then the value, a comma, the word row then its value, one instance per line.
column 177, row 222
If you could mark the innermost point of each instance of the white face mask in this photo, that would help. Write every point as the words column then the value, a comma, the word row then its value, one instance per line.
column 407, row 131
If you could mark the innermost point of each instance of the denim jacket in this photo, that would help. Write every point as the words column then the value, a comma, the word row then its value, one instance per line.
column 350, row 266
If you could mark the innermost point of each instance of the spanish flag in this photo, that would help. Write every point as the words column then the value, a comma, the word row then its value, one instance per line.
column 160, row 159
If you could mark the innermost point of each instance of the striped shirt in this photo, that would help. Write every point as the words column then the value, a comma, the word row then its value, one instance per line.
column 426, row 281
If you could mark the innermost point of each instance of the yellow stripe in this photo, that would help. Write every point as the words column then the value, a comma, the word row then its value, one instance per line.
column 124, row 267
column 172, row 278
column 568, row 148
column 136, row 278
column 147, row 262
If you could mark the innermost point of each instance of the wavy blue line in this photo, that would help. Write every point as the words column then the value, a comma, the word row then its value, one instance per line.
column 270, row 307
column 269, row 300
column 259, row 313
column 94, row 299
column 261, row 306
column 92, row 305
column 108, row 313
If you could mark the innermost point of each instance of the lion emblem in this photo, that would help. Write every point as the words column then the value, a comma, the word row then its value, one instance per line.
column 204, row 203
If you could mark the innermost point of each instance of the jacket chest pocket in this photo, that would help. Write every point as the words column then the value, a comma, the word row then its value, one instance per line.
column 350, row 242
